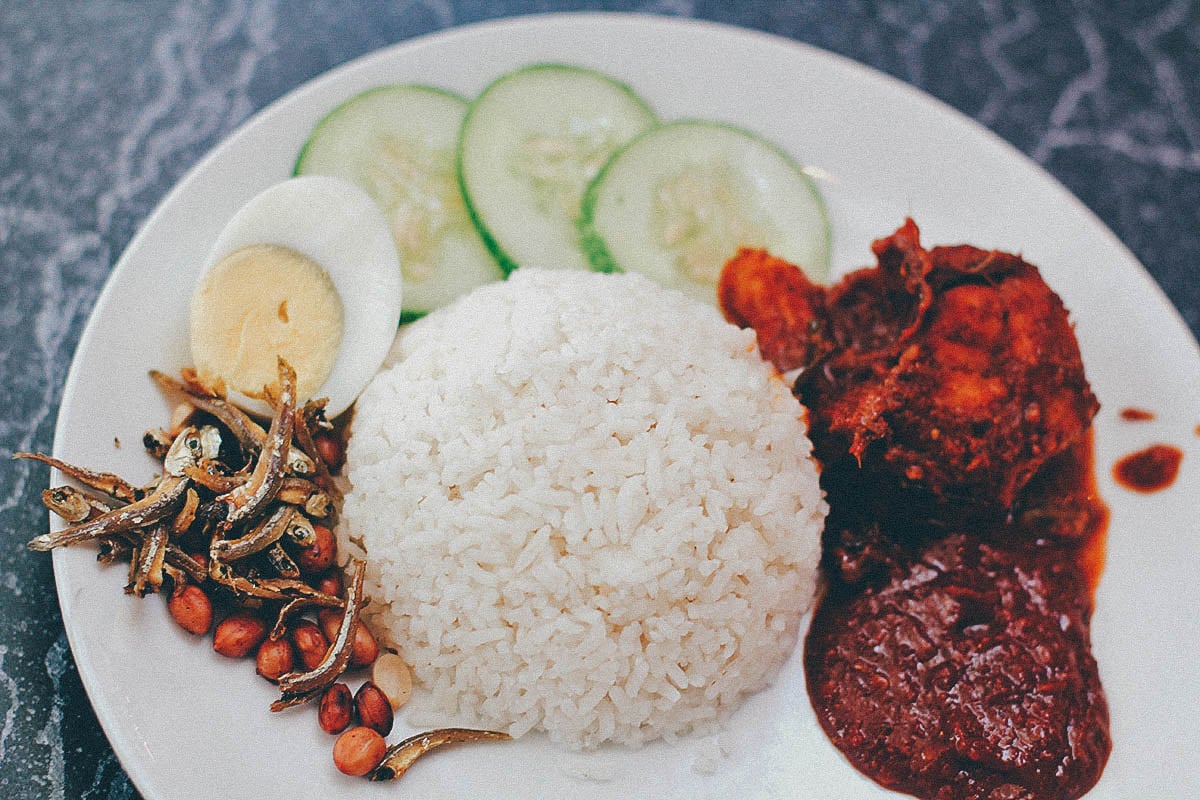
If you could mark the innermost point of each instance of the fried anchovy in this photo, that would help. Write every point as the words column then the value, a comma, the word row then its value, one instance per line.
column 338, row 655
column 213, row 481
column 318, row 505
column 281, row 562
column 187, row 515
column 305, row 493
column 112, row 548
column 68, row 502
column 182, row 561
column 286, row 612
column 307, row 418
column 191, row 447
column 249, row 433
column 400, row 756
column 301, row 531
column 177, row 577
column 261, row 536
column 164, row 501
column 74, row 506
column 297, row 491
column 135, row 553
column 157, row 442
column 112, row 485
column 284, row 589
column 248, row 500
column 299, row 464
column 68, row 497
column 290, row 700
column 147, row 576
column 64, row 500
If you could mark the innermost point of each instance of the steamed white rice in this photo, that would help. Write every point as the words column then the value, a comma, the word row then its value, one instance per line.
column 589, row 508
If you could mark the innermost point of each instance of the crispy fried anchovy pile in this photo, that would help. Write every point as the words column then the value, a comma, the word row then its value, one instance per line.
column 234, row 517
column 232, row 507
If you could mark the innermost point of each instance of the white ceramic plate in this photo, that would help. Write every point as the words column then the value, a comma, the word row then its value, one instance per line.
column 186, row 723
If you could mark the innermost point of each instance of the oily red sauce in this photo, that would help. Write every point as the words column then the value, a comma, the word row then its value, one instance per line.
column 1133, row 414
column 1068, row 494
column 950, row 656
column 1149, row 470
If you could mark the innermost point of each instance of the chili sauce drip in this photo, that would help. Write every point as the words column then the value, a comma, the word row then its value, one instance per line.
column 1149, row 470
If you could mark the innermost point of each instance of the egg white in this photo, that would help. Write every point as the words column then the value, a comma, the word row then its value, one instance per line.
column 340, row 227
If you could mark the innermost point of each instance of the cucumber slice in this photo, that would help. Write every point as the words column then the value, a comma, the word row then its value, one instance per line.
column 531, row 143
column 678, row 201
column 398, row 143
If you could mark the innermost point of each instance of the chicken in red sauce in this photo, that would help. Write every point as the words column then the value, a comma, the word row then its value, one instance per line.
column 950, row 656
column 954, row 369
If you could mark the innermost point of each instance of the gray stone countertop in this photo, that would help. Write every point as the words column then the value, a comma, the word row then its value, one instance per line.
column 104, row 105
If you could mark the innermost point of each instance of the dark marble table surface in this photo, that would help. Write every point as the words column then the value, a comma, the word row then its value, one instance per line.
column 104, row 105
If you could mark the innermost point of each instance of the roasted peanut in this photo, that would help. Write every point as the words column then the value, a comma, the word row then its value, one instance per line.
column 275, row 657
column 330, row 583
column 330, row 619
column 330, row 449
column 321, row 554
column 311, row 644
column 393, row 677
column 364, row 648
column 374, row 708
column 191, row 608
column 333, row 714
column 358, row 751
column 239, row 634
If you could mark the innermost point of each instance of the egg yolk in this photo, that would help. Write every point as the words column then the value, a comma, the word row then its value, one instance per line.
column 261, row 302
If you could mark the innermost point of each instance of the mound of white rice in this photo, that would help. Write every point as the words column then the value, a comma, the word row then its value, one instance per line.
column 589, row 507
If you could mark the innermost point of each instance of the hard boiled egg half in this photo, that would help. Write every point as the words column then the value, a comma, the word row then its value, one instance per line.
column 306, row 270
